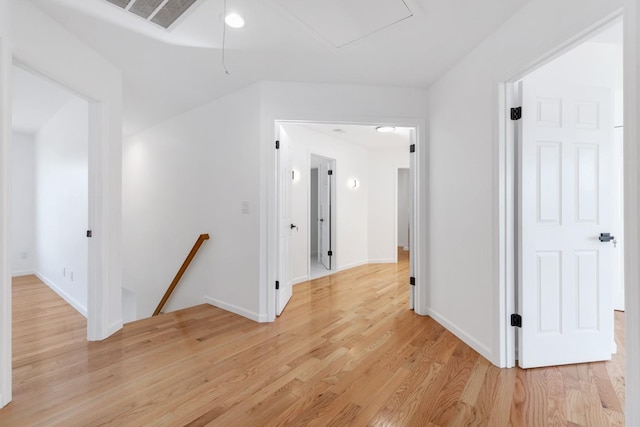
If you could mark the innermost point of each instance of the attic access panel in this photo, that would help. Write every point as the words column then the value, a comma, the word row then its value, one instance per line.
column 342, row 22
column 161, row 12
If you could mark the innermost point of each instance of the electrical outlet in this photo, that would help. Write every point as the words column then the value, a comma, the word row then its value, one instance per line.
column 245, row 207
column 24, row 255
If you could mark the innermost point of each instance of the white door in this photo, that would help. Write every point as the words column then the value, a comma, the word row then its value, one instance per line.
column 412, row 209
column 284, row 290
column 565, row 294
column 324, row 206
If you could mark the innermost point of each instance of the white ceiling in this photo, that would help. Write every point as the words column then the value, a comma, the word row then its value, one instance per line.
column 168, row 72
column 35, row 100
column 363, row 135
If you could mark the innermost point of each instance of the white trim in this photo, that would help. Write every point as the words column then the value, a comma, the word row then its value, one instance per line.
column 299, row 280
column 462, row 335
column 22, row 273
column 352, row 265
column 384, row 260
column 269, row 217
column 62, row 294
column 236, row 310
column 632, row 209
column 5, row 223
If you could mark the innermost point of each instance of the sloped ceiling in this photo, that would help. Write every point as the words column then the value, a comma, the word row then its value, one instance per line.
column 168, row 72
column 35, row 100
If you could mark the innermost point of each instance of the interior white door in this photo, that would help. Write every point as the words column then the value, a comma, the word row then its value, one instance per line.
column 324, row 204
column 284, row 290
column 565, row 295
column 412, row 209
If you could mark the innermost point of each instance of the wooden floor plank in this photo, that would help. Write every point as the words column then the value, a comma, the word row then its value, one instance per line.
column 347, row 351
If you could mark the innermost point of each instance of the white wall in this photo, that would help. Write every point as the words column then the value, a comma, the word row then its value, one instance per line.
column 383, row 185
column 5, row 200
column 351, row 161
column 40, row 43
column 464, row 165
column 23, row 204
column 188, row 176
column 61, row 171
column 403, row 208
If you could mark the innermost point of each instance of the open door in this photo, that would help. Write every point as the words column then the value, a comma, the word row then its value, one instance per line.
column 325, row 174
column 412, row 209
column 564, row 293
column 284, row 287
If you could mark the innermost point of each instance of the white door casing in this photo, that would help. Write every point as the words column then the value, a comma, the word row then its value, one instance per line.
column 284, row 208
column 564, row 294
column 324, row 205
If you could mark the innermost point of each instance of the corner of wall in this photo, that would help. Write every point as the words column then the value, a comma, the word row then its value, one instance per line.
column 256, row 317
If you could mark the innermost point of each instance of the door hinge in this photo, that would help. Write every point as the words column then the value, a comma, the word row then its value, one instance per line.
column 330, row 253
column 277, row 285
column 89, row 233
column 412, row 148
column 277, row 145
column 330, row 172
column 516, row 320
column 412, row 281
column 516, row 113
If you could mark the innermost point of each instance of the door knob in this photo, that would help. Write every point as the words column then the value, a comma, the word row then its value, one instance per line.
column 321, row 220
column 606, row 237
column 294, row 226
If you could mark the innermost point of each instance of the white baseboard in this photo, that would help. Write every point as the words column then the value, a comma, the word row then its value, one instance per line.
column 115, row 327
column 22, row 273
column 71, row 301
column 236, row 310
column 352, row 265
column 466, row 338
column 382, row 261
column 299, row 280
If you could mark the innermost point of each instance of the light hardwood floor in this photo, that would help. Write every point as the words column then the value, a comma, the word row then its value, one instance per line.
column 347, row 351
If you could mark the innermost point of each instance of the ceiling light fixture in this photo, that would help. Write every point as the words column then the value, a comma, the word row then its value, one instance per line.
column 385, row 129
column 234, row 20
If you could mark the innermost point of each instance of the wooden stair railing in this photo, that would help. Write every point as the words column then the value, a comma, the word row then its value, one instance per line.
column 184, row 267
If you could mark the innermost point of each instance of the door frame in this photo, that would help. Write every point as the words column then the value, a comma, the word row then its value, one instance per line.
column 420, row 255
column 95, row 285
column 506, row 198
column 334, row 217
column 397, row 205
column 103, row 296
column 509, row 97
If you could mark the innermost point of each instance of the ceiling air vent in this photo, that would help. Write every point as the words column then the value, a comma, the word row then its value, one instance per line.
column 161, row 12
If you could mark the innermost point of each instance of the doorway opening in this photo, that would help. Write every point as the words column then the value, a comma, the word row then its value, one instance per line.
column 50, row 179
column 568, row 204
column 344, row 199
column 322, row 214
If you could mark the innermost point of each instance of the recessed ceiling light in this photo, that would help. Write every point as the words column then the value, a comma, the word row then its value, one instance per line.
column 234, row 20
column 338, row 130
column 386, row 128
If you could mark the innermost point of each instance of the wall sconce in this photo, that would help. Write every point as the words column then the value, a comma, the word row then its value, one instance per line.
column 354, row 183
